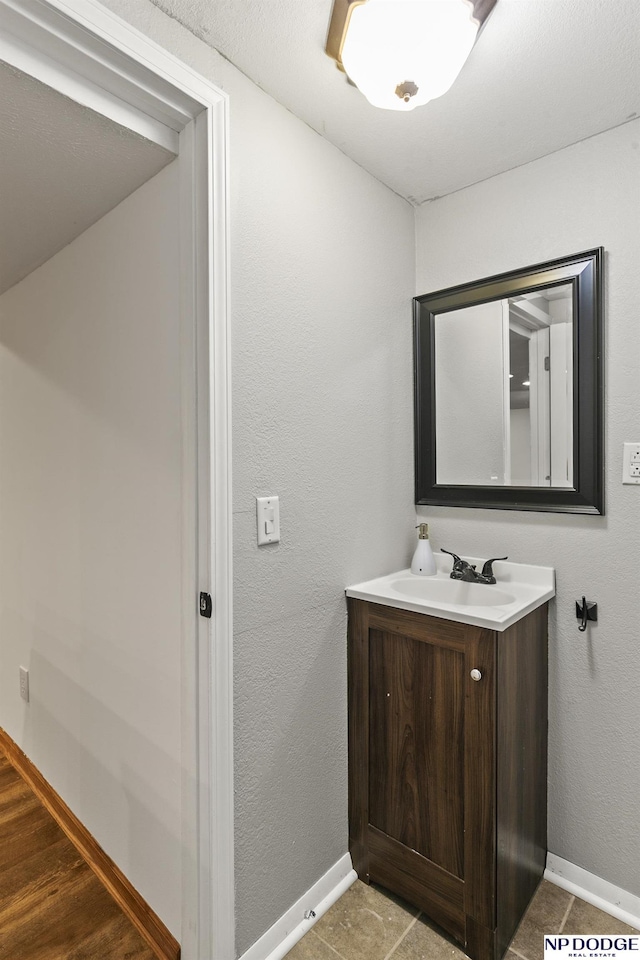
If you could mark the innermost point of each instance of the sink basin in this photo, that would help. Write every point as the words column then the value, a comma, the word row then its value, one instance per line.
column 520, row 588
column 452, row 591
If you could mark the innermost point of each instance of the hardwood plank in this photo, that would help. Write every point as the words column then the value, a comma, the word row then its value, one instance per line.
column 54, row 900
column 31, row 828
column 14, row 803
column 106, row 890
column 40, row 874
column 7, row 773
column 119, row 930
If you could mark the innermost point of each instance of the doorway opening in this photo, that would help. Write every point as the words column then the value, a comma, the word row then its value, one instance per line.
column 115, row 443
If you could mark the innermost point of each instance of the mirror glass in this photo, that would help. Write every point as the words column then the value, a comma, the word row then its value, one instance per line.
column 504, row 391
column 508, row 390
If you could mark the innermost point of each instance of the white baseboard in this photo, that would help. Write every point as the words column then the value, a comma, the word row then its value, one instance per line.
column 606, row 896
column 292, row 925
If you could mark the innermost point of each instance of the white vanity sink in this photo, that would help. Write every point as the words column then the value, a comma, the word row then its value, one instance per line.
column 520, row 588
column 455, row 592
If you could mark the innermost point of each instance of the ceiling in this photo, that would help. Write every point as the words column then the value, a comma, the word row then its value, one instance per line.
column 542, row 75
column 62, row 167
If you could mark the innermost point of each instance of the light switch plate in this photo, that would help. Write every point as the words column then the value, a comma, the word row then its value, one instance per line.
column 268, row 519
column 24, row 683
column 631, row 463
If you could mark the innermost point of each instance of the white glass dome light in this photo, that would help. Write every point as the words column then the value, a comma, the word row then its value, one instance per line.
column 403, row 53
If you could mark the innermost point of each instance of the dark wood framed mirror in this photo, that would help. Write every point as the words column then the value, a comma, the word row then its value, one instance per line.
column 509, row 390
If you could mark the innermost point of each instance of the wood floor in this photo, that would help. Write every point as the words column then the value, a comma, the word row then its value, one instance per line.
column 52, row 906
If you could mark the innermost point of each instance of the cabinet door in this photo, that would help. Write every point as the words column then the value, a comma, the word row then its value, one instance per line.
column 422, row 780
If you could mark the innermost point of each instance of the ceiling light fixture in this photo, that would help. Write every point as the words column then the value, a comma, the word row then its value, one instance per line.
column 403, row 53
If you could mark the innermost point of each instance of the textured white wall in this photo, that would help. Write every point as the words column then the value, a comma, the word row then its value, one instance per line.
column 322, row 266
column 90, row 535
column 585, row 196
column 322, row 274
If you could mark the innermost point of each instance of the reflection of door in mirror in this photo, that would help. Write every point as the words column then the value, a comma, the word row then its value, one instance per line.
column 540, row 414
column 529, row 406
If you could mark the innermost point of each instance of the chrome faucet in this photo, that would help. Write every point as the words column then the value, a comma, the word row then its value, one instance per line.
column 462, row 570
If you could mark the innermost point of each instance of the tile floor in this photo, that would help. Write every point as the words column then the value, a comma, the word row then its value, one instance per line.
column 369, row 923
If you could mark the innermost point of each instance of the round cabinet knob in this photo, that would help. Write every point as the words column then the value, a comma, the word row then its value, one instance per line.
column 476, row 675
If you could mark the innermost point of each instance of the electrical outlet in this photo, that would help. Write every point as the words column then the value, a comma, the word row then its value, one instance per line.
column 24, row 683
column 631, row 463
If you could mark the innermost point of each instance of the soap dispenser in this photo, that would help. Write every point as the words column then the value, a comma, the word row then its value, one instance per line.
column 423, row 563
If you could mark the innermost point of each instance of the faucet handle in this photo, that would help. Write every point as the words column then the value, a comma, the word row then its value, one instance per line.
column 487, row 570
column 461, row 568
column 458, row 562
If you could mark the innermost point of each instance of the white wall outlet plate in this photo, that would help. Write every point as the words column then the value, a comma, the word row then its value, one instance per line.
column 631, row 463
column 268, row 519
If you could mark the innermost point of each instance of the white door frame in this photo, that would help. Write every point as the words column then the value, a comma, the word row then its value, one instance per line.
column 89, row 54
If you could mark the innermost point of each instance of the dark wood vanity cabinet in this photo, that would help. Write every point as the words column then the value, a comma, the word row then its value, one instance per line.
column 447, row 773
